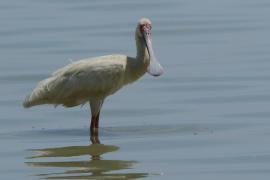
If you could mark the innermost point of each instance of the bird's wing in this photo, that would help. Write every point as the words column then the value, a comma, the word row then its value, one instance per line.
column 80, row 81
column 87, row 79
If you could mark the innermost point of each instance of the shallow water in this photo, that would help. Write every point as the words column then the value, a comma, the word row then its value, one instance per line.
column 207, row 117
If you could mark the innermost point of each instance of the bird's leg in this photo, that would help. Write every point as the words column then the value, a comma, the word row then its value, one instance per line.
column 94, row 122
column 95, row 110
column 94, row 138
column 94, row 134
column 94, row 129
column 97, row 120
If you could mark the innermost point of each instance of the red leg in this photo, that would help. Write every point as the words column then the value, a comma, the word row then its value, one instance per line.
column 95, row 111
column 97, row 121
column 95, row 106
column 94, row 129
column 94, row 137
column 94, row 124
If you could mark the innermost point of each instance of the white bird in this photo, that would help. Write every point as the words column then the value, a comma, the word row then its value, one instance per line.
column 94, row 79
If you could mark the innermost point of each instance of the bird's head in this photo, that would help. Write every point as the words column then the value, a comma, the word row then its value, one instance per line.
column 143, row 31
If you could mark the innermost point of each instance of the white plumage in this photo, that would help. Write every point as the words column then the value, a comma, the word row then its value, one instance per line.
column 80, row 81
column 94, row 79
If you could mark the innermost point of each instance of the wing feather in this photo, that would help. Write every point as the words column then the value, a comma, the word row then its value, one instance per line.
column 80, row 81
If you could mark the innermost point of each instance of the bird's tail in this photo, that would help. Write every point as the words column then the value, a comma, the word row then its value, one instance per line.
column 38, row 95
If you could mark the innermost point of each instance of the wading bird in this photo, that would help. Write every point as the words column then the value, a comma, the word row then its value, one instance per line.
column 92, row 80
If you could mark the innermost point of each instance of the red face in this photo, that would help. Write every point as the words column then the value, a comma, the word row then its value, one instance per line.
column 146, row 29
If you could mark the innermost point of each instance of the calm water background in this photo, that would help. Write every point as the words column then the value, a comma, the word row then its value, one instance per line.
column 207, row 117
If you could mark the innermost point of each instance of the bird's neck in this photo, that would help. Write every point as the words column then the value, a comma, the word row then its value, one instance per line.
column 137, row 66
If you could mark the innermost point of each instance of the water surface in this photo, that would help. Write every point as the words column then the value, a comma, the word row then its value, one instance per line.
column 207, row 117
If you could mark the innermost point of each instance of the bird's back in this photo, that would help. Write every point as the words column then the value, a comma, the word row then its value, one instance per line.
column 80, row 81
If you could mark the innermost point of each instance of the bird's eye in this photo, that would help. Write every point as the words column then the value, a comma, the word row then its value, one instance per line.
column 142, row 28
column 145, row 27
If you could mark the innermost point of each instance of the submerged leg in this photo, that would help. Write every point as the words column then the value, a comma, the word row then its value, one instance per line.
column 94, row 136
column 95, row 106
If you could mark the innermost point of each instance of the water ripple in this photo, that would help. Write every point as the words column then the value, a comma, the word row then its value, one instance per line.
column 200, row 87
column 22, row 77
column 231, row 99
column 136, row 131
column 209, row 79
column 122, row 6
column 256, row 115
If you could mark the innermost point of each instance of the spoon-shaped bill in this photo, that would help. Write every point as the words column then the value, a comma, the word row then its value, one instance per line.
column 154, row 68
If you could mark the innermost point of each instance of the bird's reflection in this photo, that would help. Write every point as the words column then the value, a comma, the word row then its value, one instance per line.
column 92, row 168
